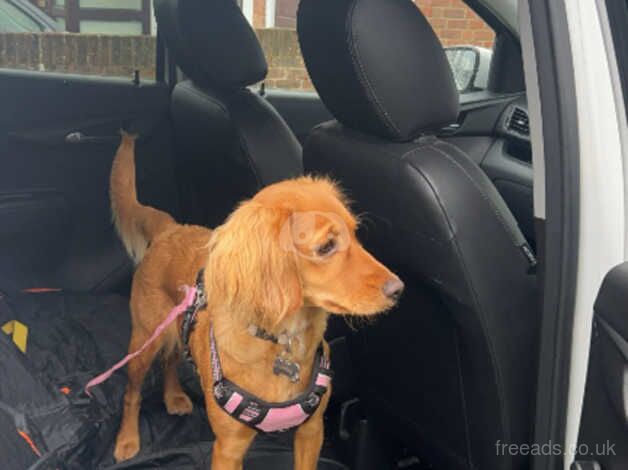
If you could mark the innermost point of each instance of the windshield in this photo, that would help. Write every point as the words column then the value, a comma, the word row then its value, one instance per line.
column 14, row 20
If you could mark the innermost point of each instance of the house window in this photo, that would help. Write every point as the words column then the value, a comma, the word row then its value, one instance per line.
column 113, row 38
column 286, row 13
column 121, row 17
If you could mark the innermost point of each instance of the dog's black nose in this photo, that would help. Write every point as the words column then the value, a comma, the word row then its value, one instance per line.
column 393, row 288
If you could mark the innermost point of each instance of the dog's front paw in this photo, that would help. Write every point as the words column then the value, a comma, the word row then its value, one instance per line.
column 126, row 448
column 178, row 404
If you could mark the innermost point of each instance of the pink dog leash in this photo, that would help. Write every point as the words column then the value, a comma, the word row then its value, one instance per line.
column 235, row 401
column 190, row 296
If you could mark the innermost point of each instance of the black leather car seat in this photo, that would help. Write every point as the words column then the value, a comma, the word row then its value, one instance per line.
column 450, row 372
column 230, row 141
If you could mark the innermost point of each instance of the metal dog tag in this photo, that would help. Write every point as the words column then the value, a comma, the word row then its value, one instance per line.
column 288, row 368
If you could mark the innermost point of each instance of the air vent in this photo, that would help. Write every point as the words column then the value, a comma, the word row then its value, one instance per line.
column 518, row 121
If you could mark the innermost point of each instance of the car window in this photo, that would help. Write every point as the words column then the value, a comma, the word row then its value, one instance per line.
column 274, row 22
column 14, row 20
column 468, row 39
column 92, row 37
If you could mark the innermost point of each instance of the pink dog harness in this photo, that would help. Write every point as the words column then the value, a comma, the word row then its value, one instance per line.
column 264, row 416
column 244, row 406
column 238, row 403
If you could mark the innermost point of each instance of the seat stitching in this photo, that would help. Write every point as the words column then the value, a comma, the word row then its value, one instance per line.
column 192, row 89
column 413, row 150
column 249, row 157
column 451, row 146
column 352, row 44
column 447, row 219
column 482, row 193
column 240, row 136
column 488, row 338
column 476, row 301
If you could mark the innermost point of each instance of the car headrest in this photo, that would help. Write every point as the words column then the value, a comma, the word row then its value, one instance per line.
column 212, row 42
column 378, row 66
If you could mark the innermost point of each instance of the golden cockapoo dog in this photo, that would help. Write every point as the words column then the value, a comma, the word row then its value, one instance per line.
column 282, row 261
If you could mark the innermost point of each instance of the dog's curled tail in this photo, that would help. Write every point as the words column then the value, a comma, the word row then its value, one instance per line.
column 136, row 223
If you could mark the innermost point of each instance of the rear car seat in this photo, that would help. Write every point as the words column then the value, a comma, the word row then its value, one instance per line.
column 230, row 141
column 46, row 420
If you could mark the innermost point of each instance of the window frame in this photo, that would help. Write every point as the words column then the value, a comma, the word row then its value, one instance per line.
column 73, row 14
column 506, row 74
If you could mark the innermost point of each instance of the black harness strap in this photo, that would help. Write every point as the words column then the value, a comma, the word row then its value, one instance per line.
column 244, row 406
column 189, row 316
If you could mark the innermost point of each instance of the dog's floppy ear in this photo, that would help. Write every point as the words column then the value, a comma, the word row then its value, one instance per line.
column 249, row 270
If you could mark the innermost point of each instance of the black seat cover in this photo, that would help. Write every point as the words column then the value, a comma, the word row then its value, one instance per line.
column 452, row 370
column 71, row 338
column 231, row 142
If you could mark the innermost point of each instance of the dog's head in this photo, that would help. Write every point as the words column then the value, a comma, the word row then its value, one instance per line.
column 294, row 245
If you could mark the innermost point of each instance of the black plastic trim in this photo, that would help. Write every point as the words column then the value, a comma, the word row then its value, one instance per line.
column 160, row 59
column 561, row 236
column 488, row 17
column 482, row 98
column 617, row 17
column 506, row 52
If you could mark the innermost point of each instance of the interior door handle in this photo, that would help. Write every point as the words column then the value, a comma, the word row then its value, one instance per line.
column 80, row 138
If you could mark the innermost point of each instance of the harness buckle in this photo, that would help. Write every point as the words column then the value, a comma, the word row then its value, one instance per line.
column 313, row 400
column 283, row 366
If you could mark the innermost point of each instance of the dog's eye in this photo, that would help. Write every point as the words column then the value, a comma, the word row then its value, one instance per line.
column 327, row 248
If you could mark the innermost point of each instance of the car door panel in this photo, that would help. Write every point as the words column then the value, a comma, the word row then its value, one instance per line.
column 482, row 132
column 23, row 213
column 54, row 202
column 604, row 424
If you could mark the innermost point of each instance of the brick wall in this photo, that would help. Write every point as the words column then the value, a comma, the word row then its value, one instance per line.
column 286, row 14
column 285, row 63
column 120, row 55
column 455, row 23
column 79, row 53
column 259, row 13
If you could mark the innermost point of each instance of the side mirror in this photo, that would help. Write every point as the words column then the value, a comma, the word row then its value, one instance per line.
column 470, row 66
